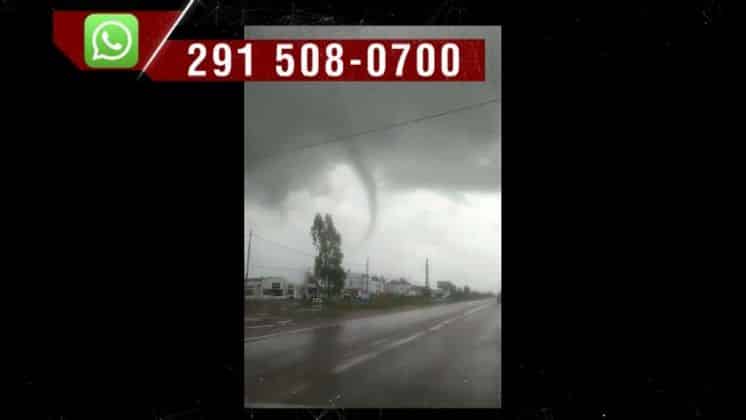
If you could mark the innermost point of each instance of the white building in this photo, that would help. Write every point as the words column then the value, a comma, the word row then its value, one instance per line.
column 309, row 289
column 445, row 288
column 294, row 291
column 416, row 291
column 358, row 283
column 399, row 287
column 253, row 288
column 270, row 288
column 375, row 285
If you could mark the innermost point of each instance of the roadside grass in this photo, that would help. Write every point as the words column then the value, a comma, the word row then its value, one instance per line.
column 336, row 307
column 387, row 302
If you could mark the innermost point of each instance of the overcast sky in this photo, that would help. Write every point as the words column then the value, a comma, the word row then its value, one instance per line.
column 430, row 189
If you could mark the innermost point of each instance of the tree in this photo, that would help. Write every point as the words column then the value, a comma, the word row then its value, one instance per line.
column 328, row 262
column 308, row 277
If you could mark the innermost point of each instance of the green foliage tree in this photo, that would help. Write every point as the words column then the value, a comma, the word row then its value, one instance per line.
column 328, row 262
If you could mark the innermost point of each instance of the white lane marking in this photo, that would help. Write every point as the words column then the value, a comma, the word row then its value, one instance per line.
column 262, row 337
column 379, row 342
column 347, row 364
column 354, row 361
column 298, row 388
column 477, row 309
column 448, row 321
column 398, row 343
column 439, row 326
column 261, row 326
column 367, row 356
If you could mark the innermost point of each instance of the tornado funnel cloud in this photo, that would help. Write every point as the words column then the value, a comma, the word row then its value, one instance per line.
column 369, row 184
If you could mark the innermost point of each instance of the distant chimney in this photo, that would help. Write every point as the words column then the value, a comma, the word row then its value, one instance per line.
column 427, row 273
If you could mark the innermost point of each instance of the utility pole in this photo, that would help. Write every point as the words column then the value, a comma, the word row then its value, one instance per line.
column 367, row 260
column 248, row 256
column 427, row 274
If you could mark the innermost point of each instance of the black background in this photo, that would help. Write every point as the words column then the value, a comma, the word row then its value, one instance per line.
column 123, row 248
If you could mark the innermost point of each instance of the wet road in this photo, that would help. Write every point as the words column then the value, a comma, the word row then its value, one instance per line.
column 438, row 357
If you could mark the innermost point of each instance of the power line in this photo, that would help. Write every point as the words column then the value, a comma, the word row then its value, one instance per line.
column 255, row 235
column 279, row 267
column 373, row 130
column 284, row 246
column 355, row 264
column 276, row 267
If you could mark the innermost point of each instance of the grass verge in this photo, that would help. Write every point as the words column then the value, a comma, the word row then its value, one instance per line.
column 298, row 310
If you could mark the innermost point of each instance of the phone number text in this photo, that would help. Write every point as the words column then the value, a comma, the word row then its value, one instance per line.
column 323, row 60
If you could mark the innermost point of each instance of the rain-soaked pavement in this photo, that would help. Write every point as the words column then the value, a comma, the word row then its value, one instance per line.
column 445, row 356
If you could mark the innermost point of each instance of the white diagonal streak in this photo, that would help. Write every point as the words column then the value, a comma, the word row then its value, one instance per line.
column 165, row 38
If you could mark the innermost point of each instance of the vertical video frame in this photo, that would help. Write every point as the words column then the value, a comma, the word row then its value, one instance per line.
column 373, row 236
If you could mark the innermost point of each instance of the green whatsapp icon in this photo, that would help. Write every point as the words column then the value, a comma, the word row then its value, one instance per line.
column 111, row 41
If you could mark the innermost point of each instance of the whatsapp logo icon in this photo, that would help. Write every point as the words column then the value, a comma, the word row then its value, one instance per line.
column 111, row 41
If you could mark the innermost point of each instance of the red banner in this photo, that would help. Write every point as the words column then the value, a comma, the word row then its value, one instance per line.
column 131, row 40
column 363, row 60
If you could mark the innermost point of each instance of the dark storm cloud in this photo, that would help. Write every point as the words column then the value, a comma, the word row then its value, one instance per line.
column 455, row 153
